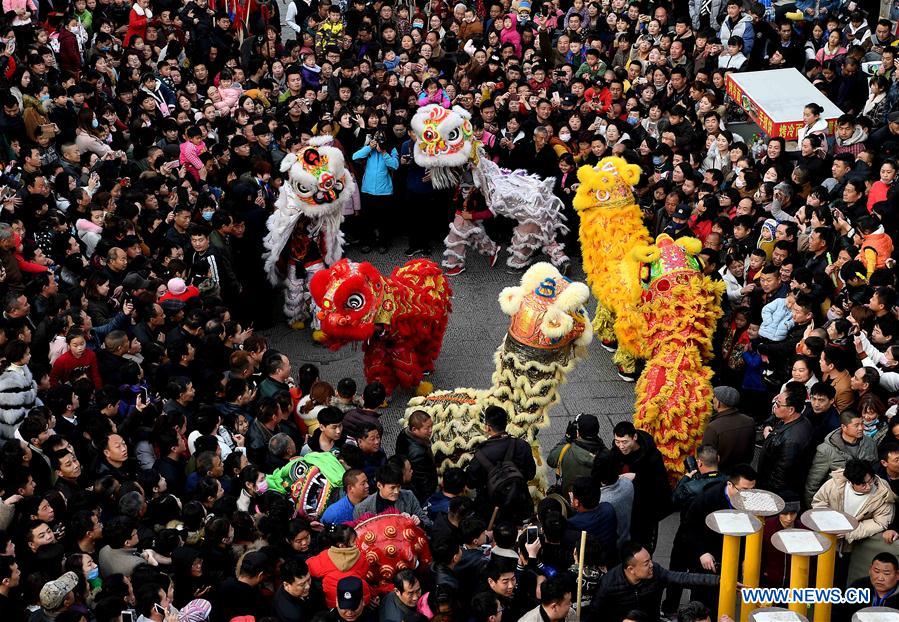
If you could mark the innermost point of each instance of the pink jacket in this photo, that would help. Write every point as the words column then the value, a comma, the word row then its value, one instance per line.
column 17, row 5
column 230, row 97
column 439, row 97
column 190, row 157
column 511, row 35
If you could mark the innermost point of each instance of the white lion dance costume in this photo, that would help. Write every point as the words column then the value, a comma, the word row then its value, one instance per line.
column 445, row 145
column 304, row 233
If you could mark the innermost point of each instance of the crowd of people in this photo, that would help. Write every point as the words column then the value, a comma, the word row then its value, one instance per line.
column 141, row 409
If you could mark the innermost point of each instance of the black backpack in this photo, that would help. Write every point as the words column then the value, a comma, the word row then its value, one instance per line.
column 505, row 483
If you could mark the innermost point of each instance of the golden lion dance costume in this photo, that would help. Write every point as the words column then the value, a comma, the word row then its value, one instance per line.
column 400, row 319
column 446, row 146
column 304, row 233
column 547, row 335
column 611, row 226
column 391, row 542
column 655, row 302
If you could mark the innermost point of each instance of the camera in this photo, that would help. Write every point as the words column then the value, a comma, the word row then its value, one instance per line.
column 380, row 139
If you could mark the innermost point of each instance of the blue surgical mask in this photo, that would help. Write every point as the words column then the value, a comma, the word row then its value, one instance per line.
column 633, row 120
column 93, row 574
column 657, row 160
column 45, row 98
column 207, row 215
column 95, row 123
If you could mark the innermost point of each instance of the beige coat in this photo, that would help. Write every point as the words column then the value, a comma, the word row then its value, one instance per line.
column 873, row 516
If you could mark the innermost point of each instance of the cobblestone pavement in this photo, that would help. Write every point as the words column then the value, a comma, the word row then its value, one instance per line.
column 475, row 330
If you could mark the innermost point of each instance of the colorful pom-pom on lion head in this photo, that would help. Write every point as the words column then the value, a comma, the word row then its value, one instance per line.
column 607, row 185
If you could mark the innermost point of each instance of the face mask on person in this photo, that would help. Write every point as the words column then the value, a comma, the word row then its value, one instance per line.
column 739, row 182
column 657, row 160
column 564, row 137
column 94, row 123
column 261, row 487
column 633, row 120
column 207, row 215
column 93, row 574
column 418, row 24
column 45, row 99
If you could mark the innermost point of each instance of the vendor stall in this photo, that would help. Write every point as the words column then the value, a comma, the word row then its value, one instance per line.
column 774, row 100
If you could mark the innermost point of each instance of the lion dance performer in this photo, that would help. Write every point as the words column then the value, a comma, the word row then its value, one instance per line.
column 400, row 319
column 681, row 307
column 611, row 226
column 304, row 233
column 446, row 146
column 548, row 333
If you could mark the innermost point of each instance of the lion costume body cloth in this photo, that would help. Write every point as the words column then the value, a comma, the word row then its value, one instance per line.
column 304, row 233
column 400, row 319
column 655, row 302
column 548, row 333
column 445, row 145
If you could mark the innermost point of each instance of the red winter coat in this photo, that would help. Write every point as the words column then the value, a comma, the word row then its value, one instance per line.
column 69, row 53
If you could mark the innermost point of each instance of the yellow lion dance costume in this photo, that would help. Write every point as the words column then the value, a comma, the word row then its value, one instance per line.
column 611, row 226
column 655, row 302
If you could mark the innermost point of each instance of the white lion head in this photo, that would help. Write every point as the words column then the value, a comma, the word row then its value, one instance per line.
column 316, row 178
column 444, row 138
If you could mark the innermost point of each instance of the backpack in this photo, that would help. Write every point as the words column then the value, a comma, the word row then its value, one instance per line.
column 505, row 483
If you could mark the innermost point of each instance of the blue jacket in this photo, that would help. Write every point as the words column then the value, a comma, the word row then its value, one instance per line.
column 600, row 523
column 376, row 179
column 742, row 28
column 339, row 512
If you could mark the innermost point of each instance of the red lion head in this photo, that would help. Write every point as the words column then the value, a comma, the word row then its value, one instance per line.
column 349, row 296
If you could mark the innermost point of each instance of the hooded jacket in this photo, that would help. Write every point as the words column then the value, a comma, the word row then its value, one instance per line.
column 335, row 563
column 833, row 454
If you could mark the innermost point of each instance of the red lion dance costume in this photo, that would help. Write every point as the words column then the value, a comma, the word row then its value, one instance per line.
column 400, row 319
column 681, row 307
column 390, row 542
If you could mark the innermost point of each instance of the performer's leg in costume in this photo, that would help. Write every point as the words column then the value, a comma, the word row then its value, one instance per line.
column 525, row 240
column 296, row 296
column 462, row 234
column 556, row 253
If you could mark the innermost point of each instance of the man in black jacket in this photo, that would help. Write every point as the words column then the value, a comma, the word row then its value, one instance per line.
column 636, row 584
column 785, row 455
column 705, row 544
column 492, row 452
column 415, row 443
column 639, row 459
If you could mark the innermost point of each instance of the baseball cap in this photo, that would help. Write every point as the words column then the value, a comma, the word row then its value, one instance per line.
column 494, row 59
column 569, row 99
column 349, row 593
column 893, row 117
column 53, row 594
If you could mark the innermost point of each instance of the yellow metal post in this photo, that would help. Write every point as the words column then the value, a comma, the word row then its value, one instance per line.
column 824, row 576
column 752, row 565
column 730, row 563
column 799, row 580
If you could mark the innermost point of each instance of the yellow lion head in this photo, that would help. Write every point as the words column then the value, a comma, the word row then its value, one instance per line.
column 609, row 184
